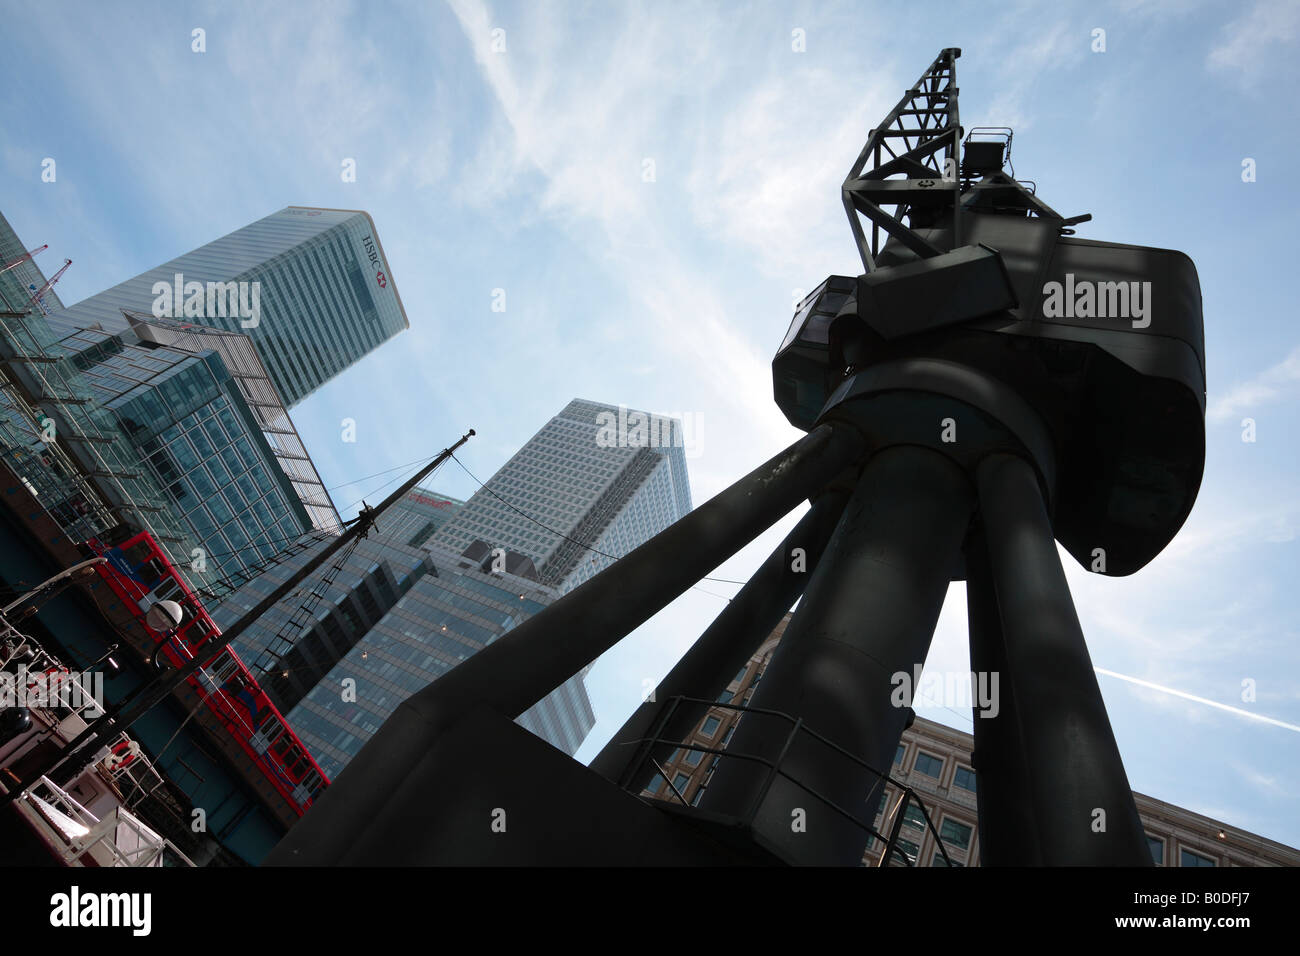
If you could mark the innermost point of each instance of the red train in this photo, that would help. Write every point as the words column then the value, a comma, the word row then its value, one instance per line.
column 140, row 574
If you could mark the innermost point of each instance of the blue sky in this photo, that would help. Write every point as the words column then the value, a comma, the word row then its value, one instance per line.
column 522, row 170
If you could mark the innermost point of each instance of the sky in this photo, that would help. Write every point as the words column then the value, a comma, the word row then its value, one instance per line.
column 652, row 186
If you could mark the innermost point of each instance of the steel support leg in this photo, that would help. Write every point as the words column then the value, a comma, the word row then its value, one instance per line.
column 1007, row 828
column 723, row 648
column 377, row 793
column 869, row 613
column 1082, row 804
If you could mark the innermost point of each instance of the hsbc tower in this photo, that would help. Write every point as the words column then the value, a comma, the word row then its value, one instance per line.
column 318, row 281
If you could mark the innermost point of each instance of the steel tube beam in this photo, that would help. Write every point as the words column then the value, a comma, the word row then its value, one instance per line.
column 527, row 663
column 723, row 648
column 1007, row 828
column 869, row 613
column 1083, row 806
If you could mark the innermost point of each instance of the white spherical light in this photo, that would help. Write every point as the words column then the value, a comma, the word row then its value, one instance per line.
column 164, row 616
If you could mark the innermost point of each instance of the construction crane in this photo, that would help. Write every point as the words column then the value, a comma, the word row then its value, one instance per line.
column 26, row 256
column 37, row 297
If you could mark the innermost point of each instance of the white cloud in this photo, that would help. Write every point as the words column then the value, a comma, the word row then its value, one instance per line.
column 1269, row 785
column 1251, row 45
column 769, row 177
column 1268, row 386
column 586, row 127
column 1039, row 51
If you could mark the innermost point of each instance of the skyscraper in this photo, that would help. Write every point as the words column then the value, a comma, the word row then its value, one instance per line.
column 595, row 482
column 447, row 616
column 310, row 287
column 371, row 627
column 208, row 457
column 600, row 479
column 254, row 321
column 297, row 642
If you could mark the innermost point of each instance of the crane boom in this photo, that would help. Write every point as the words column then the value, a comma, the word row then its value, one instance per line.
column 12, row 263
column 49, row 284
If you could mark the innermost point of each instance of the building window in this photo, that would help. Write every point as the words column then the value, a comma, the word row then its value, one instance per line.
column 898, row 755
column 939, row 861
column 928, row 765
column 1191, row 858
column 680, row 782
column 906, row 848
column 725, row 697
column 956, row 834
column 1157, row 846
column 914, row 817
column 656, row 783
column 694, row 757
column 964, row 778
column 740, row 678
column 710, row 726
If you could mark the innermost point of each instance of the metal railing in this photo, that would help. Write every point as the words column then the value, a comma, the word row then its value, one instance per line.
column 149, row 848
column 907, row 795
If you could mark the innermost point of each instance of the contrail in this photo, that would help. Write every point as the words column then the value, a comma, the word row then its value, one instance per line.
column 1199, row 700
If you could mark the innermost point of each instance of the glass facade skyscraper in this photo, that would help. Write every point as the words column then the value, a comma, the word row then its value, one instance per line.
column 398, row 613
column 448, row 615
column 441, row 579
column 369, row 581
column 194, row 430
column 196, row 454
column 595, row 482
column 179, row 424
column 325, row 296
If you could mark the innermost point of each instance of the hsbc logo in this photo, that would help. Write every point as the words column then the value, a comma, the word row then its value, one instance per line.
column 373, row 255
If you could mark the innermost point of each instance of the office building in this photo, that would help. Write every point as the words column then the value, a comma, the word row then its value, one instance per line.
column 19, row 283
column 449, row 577
column 374, row 625
column 49, row 470
column 690, row 770
column 310, row 287
column 595, row 482
column 186, row 412
column 170, row 424
column 418, row 516
column 934, row 760
column 448, row 615
column 296, row 643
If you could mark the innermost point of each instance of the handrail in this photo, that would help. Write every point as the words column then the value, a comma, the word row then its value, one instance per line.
column 906, row 796
column 104, row 830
